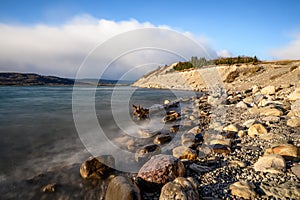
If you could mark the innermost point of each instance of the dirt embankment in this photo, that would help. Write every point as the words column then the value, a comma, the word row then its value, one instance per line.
column 233, row 77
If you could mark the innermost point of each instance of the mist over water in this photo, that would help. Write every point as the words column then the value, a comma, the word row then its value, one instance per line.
column 38, row 131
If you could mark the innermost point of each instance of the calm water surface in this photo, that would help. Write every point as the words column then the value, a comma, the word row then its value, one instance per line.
column 37, row 128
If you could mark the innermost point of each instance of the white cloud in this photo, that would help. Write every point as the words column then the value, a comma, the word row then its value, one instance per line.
column 60, row 50
column 224, row 53
column 289, row 51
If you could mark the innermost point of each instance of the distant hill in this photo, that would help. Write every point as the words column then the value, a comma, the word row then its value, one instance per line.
column 22, row 79
column 31, row 79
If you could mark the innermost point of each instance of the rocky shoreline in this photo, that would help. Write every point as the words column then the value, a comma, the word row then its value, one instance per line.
column 252, row 152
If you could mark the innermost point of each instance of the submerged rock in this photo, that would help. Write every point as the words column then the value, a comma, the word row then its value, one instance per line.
column 162, row 139
column 159, row 170
column 122, row 188
column 140, row 113
column 180, row 188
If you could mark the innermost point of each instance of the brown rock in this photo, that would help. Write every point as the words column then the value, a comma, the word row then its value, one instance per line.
column 97, row 167
column 49, row 188
column 294, row 95
column 296, row 170
column 294, row 122
column 122, row 188
column 159, row 170
column 146, row 152
column 288, row 151
column 243, row 189
column 180, row 188
column 257, row 129
column 270, row 163
column 162, row 139
column 268, row 90
column 270, row 112
column 183, row 152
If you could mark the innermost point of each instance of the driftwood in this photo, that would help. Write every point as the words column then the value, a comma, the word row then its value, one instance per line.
column 140, row 113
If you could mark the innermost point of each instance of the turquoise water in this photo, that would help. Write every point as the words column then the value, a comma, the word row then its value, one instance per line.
column 37, row 128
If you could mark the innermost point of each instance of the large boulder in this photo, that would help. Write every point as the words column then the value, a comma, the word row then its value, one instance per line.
column 180, row 188
column 270, row 163
column 122, row 188
column 288, row 151
column 97, row 167
column 243, row 189
column 159, row 170
column 257, row 129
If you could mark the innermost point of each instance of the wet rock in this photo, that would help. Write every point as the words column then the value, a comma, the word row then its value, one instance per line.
column 268, row 90
column 289, row 190
column 97, row 167
column 171, row 116
column 175, row 128
column 293, row 122
column 49, row 188
column 122, row 188
column 146, row 152
column 257, row 129
column 243, row 189
column 162, row 139
column 159, row 170
column 147, row 133
column 140, row 113
column 183, row 152
column 296, row 170
column 195, row 130
column 288, row 151
column 187, row 139
column 270, row 163
column 180, row 188
column 294, row 95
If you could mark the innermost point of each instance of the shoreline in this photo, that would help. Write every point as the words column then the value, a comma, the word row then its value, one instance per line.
column 260, row 127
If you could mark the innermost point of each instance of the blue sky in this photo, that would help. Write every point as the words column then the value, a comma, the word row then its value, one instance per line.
column 269, row 29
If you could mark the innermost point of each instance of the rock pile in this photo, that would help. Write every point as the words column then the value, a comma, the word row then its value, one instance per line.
column 251, row 152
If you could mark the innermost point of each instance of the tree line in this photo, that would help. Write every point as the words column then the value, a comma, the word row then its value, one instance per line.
column 196, row 62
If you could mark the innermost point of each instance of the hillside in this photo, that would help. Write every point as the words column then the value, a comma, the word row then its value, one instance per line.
column 238, row 76
column 22, row 79
column 31, row 79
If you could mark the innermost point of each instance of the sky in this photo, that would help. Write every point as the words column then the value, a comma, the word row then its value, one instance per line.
column 57, row 37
